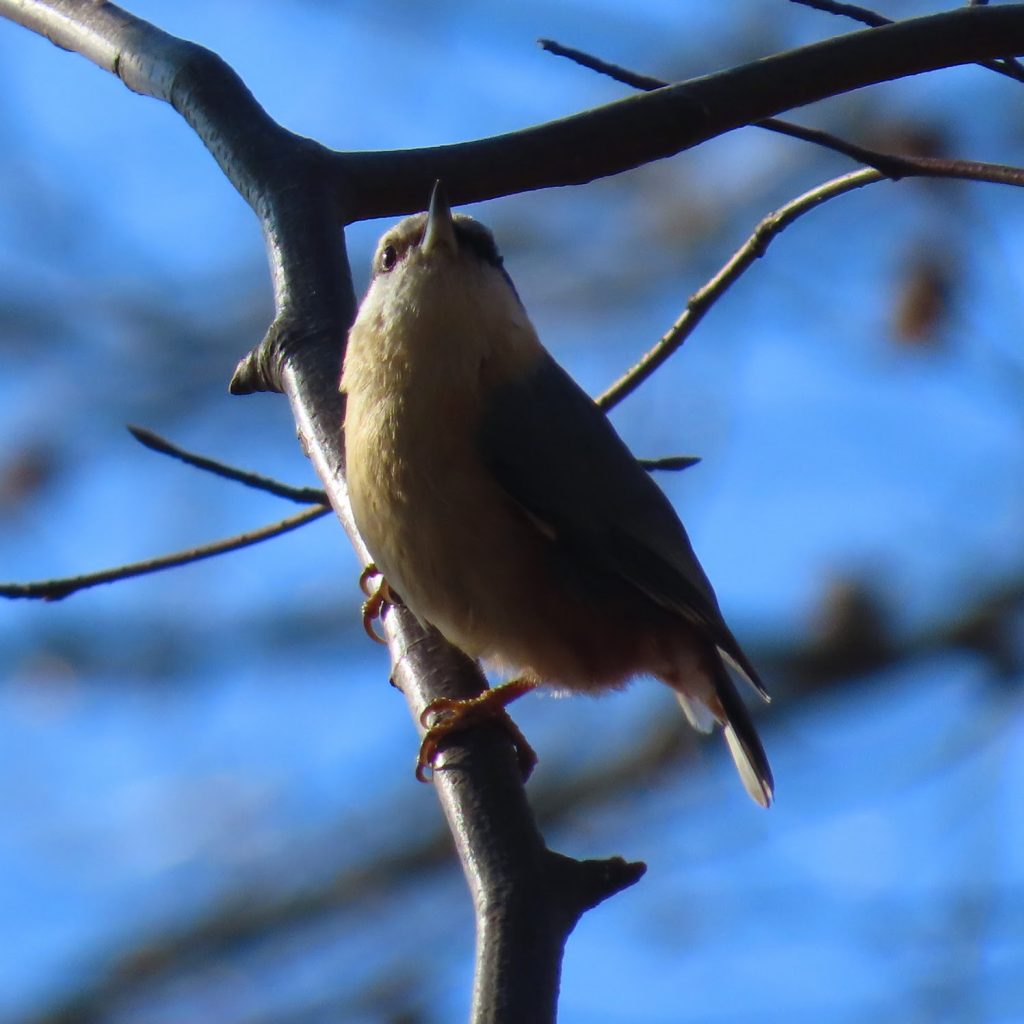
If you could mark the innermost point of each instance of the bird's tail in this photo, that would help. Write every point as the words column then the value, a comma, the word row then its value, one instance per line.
column 726, row 708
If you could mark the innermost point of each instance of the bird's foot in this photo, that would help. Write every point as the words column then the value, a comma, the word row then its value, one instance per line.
column 446, row 716
column 378, row 597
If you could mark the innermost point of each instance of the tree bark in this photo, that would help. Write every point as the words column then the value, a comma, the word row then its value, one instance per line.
column 527, row 898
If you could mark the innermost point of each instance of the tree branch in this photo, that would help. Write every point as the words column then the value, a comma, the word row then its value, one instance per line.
column 646, row 83
column 740, row 261
column 763, row 235
column 302, row 495
column 56, row 590
column 261, row 158
column 826, row 664
column 639, row 129
column 1004, row 66
column 527, row 898
column 884, row 165
column 892, row 165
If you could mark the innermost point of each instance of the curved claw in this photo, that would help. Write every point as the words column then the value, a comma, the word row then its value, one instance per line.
column 365, row 576
column 425, row 760
column 377, row 598
column 437, row 710
column 371, row 610
column 446, row 716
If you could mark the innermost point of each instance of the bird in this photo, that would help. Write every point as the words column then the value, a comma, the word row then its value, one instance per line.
column 501, row 507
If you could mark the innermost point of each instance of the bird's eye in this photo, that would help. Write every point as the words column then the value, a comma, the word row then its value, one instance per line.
column 388, row 258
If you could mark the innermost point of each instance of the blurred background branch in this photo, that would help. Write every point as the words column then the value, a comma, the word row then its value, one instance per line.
column 852, row 642
column 858, row 406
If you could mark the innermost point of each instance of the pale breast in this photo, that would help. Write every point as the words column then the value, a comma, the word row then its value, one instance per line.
column 450, row 541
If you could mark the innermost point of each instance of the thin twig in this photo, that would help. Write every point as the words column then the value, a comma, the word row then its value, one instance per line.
column 881, row 166
column 669, row 462
column 1008, row 66
column 299, row 190
column 861, row 14
column 55, row 590
column 303, row 495
column 772, row 225
column 701, row 301
column 645, row 83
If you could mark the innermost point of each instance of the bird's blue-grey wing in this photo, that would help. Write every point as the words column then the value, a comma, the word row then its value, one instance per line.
column 556, row 454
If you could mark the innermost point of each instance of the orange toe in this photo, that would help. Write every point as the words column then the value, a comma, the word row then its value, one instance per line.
column 447, row 716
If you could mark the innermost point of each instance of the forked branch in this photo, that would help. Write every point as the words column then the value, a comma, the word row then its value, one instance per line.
column 527, row 898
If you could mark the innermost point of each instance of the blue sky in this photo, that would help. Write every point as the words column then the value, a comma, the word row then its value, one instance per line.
column 226, row 732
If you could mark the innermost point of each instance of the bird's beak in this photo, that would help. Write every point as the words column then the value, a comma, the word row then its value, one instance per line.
column 439, row 232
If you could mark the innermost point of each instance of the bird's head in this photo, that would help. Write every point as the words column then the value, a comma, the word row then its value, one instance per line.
column 440, row 303
column 437, row 242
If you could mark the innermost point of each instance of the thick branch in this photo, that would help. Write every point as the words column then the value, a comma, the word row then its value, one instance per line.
column 527, row 898
column 1005, row 66
column 282, row 176
column 890, row 165
column 263, row 160
column 639, row 129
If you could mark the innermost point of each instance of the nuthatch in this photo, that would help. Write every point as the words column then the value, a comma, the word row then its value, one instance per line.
column 499, row 503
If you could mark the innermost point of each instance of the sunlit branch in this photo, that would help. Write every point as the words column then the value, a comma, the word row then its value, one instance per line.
column 527, row 898
column 55, row 590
